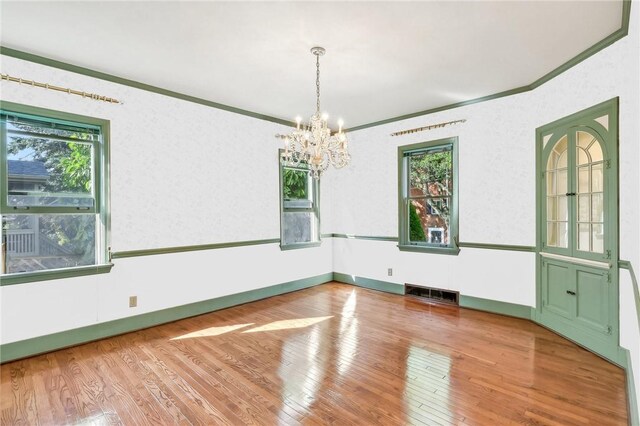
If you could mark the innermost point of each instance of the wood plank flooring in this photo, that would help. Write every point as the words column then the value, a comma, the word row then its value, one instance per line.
column 331, row 354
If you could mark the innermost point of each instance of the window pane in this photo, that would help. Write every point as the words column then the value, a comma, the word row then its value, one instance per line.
column 295, row 184
column 298, row 227
column 562, row 160
column 559, row 150
column 596, row 152
column 41, row 242
column 584, row 139
column 563, row 213
column 552, row 234
column 552, row 208
column 431, row 173
column 596, row 178
column 597, row 208
column 562, row 181
column 583, row 208
column 46, row 172
column 583, row 158
column 551, row 187
column 562, row 235
column 598, row 238
column 583, row 179
column 583, row 236
column 429, row 220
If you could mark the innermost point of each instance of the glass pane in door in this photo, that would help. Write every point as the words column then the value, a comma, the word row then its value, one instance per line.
column 590, row 188
column 557, row 184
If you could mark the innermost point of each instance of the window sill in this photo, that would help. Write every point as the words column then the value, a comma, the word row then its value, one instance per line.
column 300, row 245
column 54, row 274
column 453, row 251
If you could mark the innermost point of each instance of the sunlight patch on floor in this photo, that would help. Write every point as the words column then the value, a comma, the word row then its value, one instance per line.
column 289, row 324
column 212, row 331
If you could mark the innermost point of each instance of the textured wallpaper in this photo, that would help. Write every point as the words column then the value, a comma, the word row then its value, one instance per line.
column 181, row 173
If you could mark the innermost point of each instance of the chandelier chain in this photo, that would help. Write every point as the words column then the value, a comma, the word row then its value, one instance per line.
column 318, row 84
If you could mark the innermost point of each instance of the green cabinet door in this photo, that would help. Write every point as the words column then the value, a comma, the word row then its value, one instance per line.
column 592, row 299
column 556, row 284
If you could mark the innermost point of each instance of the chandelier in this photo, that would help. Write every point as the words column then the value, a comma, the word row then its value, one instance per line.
column 313, row 144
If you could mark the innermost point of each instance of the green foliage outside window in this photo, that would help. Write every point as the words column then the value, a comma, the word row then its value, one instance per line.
column 433, row 169
column 416, row 232
column 295, row 184
column 76, row 167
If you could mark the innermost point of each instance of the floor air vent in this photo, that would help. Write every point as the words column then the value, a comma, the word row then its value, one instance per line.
column 432, row 294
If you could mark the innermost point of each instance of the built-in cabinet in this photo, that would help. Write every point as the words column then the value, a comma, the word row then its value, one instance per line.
column 578, row 227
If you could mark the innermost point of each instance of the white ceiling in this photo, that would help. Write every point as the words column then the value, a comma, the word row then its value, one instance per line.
column 384, row 59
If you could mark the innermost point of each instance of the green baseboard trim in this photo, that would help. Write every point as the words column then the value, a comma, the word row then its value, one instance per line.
column 369, row 283
column 632, row 400
column 37, row 345
column 496, row 307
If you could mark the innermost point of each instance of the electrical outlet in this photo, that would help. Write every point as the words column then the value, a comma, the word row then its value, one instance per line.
column 390, row 272
column 133, row 301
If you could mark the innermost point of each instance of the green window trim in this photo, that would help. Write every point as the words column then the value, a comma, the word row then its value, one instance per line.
column 101, row 179
column 314, row 186
column 54, row 274
column 404, row 153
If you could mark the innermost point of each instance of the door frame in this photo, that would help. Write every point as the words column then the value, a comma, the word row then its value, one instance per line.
column 610, row 351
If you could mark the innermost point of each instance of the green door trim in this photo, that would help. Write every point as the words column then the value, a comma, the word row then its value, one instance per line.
column 606, row 347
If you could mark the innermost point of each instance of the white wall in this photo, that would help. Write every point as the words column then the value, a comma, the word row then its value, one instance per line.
column 176, row 180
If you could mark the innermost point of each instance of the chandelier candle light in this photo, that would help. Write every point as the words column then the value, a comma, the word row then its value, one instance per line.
column 313, row 144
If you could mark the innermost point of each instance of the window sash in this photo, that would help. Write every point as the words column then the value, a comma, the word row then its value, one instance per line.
column 288, row 206
column 95, row 131
column 55, row 124
column 48, row 123
column 407, row 154
column 426, row 243
column 434, row 150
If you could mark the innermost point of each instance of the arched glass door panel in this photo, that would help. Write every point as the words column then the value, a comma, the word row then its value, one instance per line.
column 590, row 193
column 557, row 184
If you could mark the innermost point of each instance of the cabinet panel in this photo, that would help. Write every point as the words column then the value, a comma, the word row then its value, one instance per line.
column 592, row 299
column 557, row 281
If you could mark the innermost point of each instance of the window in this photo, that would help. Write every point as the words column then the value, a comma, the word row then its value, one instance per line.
column 53, row 204
column 428, row 196
column 299, row 209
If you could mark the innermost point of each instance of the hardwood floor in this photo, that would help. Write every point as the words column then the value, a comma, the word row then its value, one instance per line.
column 331, row 354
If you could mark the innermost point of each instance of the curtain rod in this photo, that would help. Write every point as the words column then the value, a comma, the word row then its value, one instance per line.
column 429, row 127
column 32, row 83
